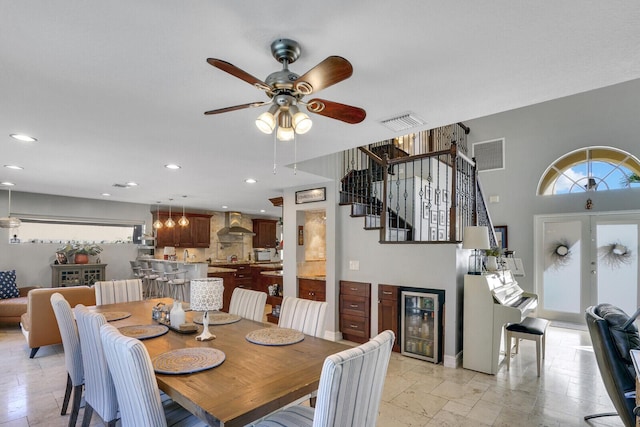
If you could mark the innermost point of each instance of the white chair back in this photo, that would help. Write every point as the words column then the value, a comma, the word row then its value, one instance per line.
column 303, row 315
column 70, row 338
column 351, row 384
column 100, row 393
column 248, row 304
column 116, row 291
column 134, row 379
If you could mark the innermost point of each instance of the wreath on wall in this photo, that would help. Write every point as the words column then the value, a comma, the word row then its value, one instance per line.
column 560, row 253
column 615, row 255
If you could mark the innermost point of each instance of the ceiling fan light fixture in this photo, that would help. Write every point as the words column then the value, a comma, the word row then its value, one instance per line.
column 266, row 121
column 301, row 123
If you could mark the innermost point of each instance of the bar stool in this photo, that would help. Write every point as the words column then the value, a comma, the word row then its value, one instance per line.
column 177, row 279
column 161, row 279
column 530, row 328
column 148, row 279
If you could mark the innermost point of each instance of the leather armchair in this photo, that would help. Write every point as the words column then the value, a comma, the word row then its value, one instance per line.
column 611, row 344
column 39, row 323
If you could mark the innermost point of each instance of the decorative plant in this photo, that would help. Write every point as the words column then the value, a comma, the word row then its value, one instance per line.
column 71, row 249
column 494, row 251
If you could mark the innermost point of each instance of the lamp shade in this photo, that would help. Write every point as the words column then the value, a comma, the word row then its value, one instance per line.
column 206, row 294
column 476, row 237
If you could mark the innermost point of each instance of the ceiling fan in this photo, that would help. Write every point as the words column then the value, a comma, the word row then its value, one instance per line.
column 287, row 89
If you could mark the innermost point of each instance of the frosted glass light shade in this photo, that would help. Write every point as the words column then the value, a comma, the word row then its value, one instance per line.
column 285, row 134
column 266, row 122
column 301, row 123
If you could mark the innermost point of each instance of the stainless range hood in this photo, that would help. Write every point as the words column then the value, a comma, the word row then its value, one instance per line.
column 233, row 227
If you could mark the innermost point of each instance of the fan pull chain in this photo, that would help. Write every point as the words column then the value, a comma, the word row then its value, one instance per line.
column 274, row 152
column 295, row 154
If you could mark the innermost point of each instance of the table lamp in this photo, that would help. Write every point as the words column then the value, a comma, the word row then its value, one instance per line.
column 206, row 294
column 476, row 238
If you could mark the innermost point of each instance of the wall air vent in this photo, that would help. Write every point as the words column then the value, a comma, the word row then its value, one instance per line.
column 489, row 155
column 403, row 122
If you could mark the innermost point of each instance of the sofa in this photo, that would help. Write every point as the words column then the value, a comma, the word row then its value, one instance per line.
column 11, row 309
column 39, row 324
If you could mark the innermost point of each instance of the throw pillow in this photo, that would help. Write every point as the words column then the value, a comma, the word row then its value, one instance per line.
column 8, row 288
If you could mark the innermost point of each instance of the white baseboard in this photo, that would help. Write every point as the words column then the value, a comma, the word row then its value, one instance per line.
column 453, row 361
column 333, row 335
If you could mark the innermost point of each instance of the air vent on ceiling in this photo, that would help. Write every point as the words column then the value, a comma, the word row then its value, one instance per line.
column 403, row 122
column 489, row 155
column 121, row 185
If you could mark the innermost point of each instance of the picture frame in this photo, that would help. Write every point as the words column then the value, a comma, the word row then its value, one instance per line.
column 442, row 218
column 428, row 194
column 425, row 210
column 434, row 217
column 501, row 236
column 441, row 235
column 445, row 197
column 433, row 234
column 312, row 195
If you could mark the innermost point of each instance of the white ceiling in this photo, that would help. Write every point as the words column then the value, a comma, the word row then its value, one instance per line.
column 114, row 90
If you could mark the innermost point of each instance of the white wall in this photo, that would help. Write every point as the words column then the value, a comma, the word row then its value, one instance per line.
column 32, row 260
column 538, row 135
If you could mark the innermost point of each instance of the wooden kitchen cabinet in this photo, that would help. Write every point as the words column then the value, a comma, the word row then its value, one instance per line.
column 388, row 311
column 312, row 289
column 355, row 311
column 265, row 230
column 195, row 235
column 228, row 281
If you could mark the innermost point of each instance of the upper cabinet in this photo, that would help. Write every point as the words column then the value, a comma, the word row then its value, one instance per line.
column 265, row 230
column 195, row 235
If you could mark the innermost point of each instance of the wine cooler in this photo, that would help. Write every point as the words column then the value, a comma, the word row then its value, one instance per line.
column 421, row 325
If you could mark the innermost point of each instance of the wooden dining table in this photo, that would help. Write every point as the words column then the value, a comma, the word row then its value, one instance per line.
column 253, row 381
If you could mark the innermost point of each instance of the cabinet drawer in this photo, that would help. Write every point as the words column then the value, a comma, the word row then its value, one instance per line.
column 388, row 292
column 354, row 305
column 354, row 326
column 355, row 288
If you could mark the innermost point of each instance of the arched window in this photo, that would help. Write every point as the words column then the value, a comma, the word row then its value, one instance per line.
column 590, row 169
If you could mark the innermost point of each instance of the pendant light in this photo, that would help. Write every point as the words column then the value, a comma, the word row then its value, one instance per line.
column 9, row 221
column 183, row 221
column 157, row 223
column 170, row 223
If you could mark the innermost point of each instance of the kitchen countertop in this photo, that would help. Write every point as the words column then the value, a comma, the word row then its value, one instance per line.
column 274, row 265
column 220, row 270
column 257, row 263
column 313, row 277
column 272, row 273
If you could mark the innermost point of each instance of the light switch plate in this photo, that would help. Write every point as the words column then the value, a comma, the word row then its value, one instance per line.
column 354, row 265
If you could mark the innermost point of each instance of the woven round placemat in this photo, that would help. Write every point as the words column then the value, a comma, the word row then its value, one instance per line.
column 218, row 318
column 187, row 360
column 275, row 336
column 112, row 316
column 143, row 332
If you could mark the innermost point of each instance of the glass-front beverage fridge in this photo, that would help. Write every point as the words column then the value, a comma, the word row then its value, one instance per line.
column 421, row 324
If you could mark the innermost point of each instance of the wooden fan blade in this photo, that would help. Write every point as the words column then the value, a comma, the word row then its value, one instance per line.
column 237, row 72
column 335, row 110
column 332, row 70
column 234, row 108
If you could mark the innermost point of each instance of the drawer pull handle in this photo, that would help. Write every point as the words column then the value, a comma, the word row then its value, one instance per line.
column 354, row 289
column 241, row 286
column 353, row 326
column 387, row 292
column 354, row 305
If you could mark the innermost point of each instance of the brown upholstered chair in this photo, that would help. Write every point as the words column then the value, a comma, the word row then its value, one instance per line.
column 39, row 324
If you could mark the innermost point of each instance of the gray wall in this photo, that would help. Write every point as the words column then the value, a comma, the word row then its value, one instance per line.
column 32, row 260
column 535, row 137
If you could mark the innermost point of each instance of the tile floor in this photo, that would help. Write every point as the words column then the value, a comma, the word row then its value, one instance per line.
column 416, row 393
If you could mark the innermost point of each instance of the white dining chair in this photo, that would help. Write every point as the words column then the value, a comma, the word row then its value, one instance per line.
column 304, row 315
column 248, row 304
column 136, row 387
column 72, row 355
column 99, row 391
column 350, row 389
column 117, row 291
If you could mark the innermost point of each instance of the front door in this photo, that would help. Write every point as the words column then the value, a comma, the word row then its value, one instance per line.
column 582, row 260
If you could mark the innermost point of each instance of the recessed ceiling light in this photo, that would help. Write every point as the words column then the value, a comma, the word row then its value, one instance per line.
column 262, row 211
column 8, row 184
column 16, row 167
column 132, row 184
column 225, row 207
column 23, row 138
column 250, row 181
column 106, row 194
column 172, row 166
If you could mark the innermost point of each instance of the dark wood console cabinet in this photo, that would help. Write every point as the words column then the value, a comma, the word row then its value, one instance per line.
column 388, row 311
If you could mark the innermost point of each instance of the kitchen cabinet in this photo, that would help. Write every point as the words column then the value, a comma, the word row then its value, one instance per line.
column 229, row 284
column 313, row 289
column 261, row 282
column 242, row 276
column 195, row 235
column 265, row 230
column 388, row 311
column 355, row 309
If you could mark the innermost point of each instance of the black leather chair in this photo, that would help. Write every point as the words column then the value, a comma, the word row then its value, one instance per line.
column 611, row 344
